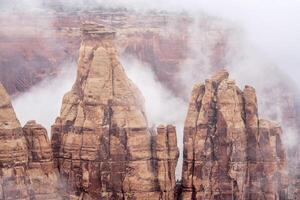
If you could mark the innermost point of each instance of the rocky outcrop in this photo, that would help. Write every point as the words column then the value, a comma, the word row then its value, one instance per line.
column 166, row 151
column 229, row 153
column 101, row 144
column 171, row 44
column 159, row 39
column 26, row 171
column 44, row 178
column 13, row 152
column 101, row 141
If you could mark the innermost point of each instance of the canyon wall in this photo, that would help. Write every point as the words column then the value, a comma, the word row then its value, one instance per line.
column 41, row 46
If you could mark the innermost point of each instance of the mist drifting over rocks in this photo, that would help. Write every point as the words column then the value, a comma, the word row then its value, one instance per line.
column 257, row 42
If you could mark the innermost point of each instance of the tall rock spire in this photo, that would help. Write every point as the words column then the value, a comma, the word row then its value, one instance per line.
column 229, row 153
column 101, row 141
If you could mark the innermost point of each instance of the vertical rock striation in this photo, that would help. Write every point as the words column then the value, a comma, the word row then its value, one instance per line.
column 44, row 178
column 13, row 153
column 229, row 153
column 101, row 141
column 102, row 147
column 26, row 165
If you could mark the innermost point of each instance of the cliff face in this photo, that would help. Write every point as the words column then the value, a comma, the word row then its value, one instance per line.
column 13, row 152
column 102, row 147
column 229, row 153
column 43, row 177
column 27, row 170
column 36, row 50
column 101, row 141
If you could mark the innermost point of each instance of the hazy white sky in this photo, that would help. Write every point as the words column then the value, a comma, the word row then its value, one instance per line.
column 272, row 25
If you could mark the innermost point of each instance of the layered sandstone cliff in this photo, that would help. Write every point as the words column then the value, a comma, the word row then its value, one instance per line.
column 229, row 153
column 102, row 147
column 26, row 164
column 43, row 176
column 13, row 152
column 101, row 141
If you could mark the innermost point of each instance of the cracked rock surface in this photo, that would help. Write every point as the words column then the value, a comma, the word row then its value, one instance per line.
column 102, row 147
column 26, row 161
column 229, row 153
column 101, row 141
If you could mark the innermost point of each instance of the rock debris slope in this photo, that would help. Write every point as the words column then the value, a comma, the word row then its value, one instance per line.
column 26, row 161
column 101, row 141
column 229, row 153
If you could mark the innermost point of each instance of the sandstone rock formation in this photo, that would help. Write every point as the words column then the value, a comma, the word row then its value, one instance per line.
column 44, row 178
column 229, row 153
column 13, row 152
column 26, row 165
column 101, row 142
column 31, row 53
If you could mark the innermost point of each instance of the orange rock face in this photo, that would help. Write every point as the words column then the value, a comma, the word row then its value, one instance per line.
column 27, row 170
column 44, row 178
column 101, row 141
column 229, row 153
column 103, row 148
column 13, row 152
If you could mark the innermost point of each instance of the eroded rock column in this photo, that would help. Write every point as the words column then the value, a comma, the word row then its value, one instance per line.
column 101, row 141
column 229, row 153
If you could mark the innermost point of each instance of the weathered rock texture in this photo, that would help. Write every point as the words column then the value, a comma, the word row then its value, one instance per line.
column 44, row 178
column 101, row 141
column 26, row 164
column 229, row 153
column 13, row 152
column 171, row 44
